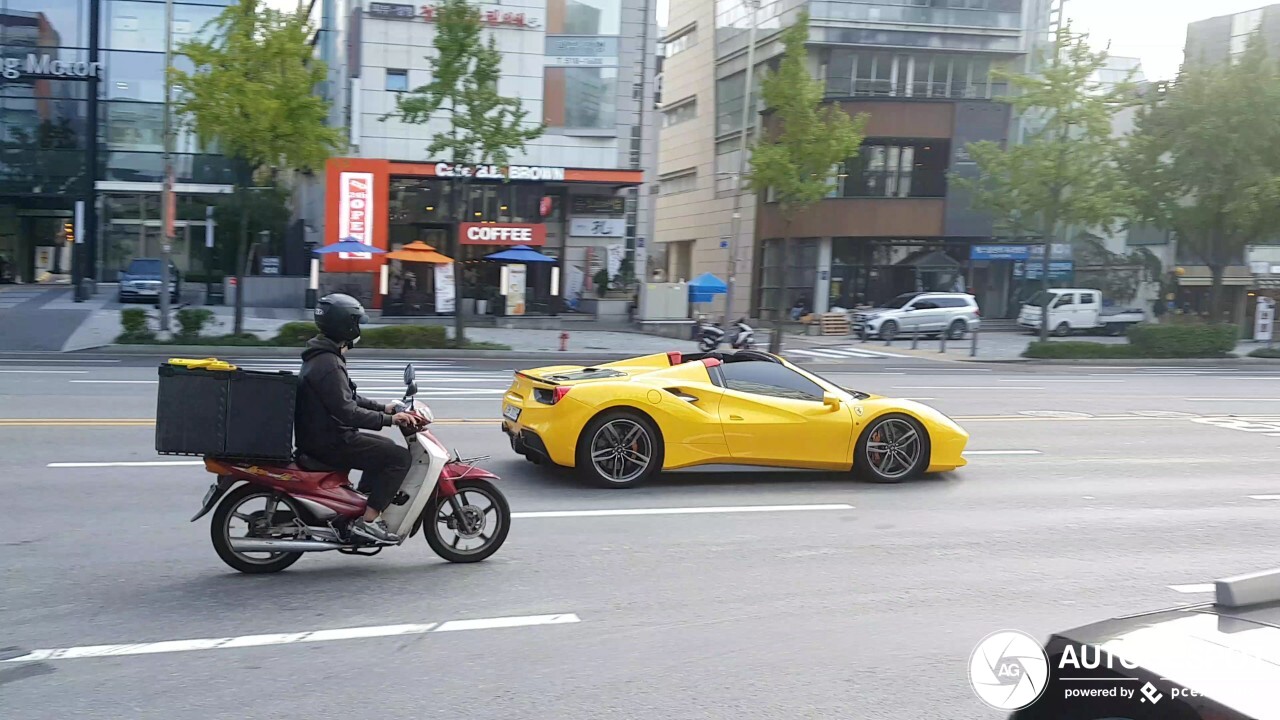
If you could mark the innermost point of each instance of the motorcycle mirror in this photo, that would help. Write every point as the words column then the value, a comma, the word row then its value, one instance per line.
column 409, row 375
column 411, row 390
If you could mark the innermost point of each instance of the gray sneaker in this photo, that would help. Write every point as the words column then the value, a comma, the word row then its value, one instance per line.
column 375, row 531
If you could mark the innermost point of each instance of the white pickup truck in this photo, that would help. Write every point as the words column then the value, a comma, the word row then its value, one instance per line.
column 1073, row 310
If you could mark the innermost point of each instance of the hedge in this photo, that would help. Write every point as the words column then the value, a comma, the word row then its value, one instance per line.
column 1266, row 353
column 1070, row 350
column 296, row 334
column 1183, row 341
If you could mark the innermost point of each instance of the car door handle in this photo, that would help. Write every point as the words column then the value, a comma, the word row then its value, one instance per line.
column 735, row 417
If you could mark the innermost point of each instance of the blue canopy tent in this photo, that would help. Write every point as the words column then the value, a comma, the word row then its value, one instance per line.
column 521, row 254
column 349, row 245
column 705, row 287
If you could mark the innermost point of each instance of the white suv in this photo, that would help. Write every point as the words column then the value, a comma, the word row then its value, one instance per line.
column 928, row 313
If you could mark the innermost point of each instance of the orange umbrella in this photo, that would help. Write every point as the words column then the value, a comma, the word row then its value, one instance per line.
column 419, row 251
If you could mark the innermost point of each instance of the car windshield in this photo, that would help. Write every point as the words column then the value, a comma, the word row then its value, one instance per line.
column 856, row 393
column 1041, row 298
column 899, row 301
column 144, row 267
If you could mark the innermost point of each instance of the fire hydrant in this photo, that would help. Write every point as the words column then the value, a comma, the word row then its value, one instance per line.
column 564, row 341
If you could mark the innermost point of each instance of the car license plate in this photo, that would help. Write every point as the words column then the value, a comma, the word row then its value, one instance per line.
column 511, row 412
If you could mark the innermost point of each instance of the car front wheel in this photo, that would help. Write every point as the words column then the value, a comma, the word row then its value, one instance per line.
column 889, row 330
column 619, row 449
column 893, row 448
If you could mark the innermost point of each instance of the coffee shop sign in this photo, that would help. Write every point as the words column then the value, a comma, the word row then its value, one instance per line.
column 497, row 172
column 46, row 66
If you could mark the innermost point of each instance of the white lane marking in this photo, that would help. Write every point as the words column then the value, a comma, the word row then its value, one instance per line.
column 117, row 382
column 45, row 372
column 880, row 353
column 678, row 511
column 1246, row 399
column 44, row 361
column 1264, row 497
column 97, row 651
column 1052, row 380
column 848, row 352
column 1002, row 452
column 824, row 354
column 1193, row 588
column 148, row 463
column 916, row 399
column 961, row 387
column 938, row 371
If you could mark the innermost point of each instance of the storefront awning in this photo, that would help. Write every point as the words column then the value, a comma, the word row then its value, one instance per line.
column 1199, row 276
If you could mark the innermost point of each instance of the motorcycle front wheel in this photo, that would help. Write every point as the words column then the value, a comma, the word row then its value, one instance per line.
column 472, row 530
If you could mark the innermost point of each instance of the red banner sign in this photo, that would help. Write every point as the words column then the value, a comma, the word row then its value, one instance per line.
column 503, row 234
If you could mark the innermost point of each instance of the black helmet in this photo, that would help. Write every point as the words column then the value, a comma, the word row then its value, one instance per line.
column 339, row 318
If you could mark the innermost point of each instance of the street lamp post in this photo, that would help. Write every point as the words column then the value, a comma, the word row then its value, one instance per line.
column 735, row 222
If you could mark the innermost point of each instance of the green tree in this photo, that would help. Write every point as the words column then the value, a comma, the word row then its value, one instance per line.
column 800, row 155
column 1204, row 160
column 1062, row 174
column 252, row 95
column 481, row 126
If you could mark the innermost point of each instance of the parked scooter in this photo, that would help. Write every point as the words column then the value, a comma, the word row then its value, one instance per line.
column 307, row 506
column 710, row 335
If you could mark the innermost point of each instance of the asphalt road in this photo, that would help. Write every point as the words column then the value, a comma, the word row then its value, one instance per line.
column 1090, row 491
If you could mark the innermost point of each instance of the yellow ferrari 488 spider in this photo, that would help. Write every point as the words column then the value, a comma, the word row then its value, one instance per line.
column 621, row 422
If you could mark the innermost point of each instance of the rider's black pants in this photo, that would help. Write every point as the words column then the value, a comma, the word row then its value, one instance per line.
column 383, row 461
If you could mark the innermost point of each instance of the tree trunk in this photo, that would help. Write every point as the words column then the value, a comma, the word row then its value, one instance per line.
column 457, row 190
column 1216, row 273
column 775, row 339
column 1044, row 284
column 242, row 246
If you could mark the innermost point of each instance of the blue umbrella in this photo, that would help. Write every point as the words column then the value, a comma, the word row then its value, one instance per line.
column 349, row 245
column 706, row 286
column 520, row 254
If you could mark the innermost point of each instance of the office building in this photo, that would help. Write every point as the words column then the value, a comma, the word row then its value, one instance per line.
column 585, row 68
column 79, row 70
column 922, row 71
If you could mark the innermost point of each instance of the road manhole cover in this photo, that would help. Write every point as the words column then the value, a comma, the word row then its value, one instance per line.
column 1054, row 414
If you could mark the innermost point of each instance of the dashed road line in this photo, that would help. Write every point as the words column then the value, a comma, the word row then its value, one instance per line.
column 1002, row 452
column 244, row 641
column 1193, row 588
column 680, row 510
column 1264, row 497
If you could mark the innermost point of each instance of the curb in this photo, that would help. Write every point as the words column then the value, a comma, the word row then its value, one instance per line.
column 1160, row 362
column 423, row 354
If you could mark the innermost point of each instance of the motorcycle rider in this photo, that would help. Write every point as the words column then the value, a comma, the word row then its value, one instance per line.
column 329, row 415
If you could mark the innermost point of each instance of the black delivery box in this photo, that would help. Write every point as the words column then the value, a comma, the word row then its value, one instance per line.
column 211, row 408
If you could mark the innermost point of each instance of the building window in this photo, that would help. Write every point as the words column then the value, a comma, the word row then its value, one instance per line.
column 584, row 17
column 681, row 43
column 129, row 25
column 46, row 23
column 686, row 110
column 895, row 169
column 882, row 74
column 728, row 166
column 397, row 80
column 681, row 181
column 1243, row 26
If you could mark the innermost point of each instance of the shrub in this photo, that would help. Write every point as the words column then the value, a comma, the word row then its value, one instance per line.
column 1183, row 341
column 1266, row 353
column 295, row 334
column 192, row 322
column 1063, row 350
column 134, row 327
column 405, row 336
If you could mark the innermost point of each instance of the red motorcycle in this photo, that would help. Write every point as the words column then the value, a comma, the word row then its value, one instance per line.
column 275, row 514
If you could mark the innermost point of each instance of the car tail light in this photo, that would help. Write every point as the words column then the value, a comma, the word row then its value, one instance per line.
column 552, row 396
column 977, row 312
column 558, row 394
column 675, row 358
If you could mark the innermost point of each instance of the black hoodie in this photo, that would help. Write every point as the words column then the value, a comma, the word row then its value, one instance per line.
column 329, row 412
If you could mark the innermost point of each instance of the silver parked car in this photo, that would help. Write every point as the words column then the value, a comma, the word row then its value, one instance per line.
column 923, row 313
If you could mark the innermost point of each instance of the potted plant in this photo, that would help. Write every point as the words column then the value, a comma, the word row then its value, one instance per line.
column 601, row 281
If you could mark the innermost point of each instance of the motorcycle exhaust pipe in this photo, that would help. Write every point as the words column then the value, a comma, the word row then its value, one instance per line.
column 275, row 546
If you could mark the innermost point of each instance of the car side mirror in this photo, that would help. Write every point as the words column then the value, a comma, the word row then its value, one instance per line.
column 830, row 400
column 908, row 308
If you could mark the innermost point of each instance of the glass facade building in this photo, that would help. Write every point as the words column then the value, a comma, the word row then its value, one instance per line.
column 81, row 119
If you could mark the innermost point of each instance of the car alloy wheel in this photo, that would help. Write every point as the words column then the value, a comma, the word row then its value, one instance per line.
column 957, row 330
column 889, row 330
column 892, row 449
column 621, row 450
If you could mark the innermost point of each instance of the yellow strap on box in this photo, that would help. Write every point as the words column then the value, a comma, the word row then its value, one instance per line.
column 213, row 364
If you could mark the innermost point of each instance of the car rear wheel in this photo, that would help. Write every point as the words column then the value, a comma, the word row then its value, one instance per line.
column 619, row 449
column 893, row 448
column 956, row 330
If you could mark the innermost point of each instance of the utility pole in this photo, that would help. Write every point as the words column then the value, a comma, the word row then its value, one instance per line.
column 167, row 203
column 747, row 122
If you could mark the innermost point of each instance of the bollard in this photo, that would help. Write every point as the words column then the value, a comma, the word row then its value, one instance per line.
column 942, row 341
column 564, row 341
column 888, row 339
column 914, row 339
column 973, row 346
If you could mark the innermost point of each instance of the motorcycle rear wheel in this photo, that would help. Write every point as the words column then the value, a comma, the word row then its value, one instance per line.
column 493, row 514
column 220, row 531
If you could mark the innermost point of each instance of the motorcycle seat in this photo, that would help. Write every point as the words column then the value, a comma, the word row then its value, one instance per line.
column 310, row 464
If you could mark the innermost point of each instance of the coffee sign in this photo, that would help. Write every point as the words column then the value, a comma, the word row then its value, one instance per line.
column 503, row 234
column 44, row 65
